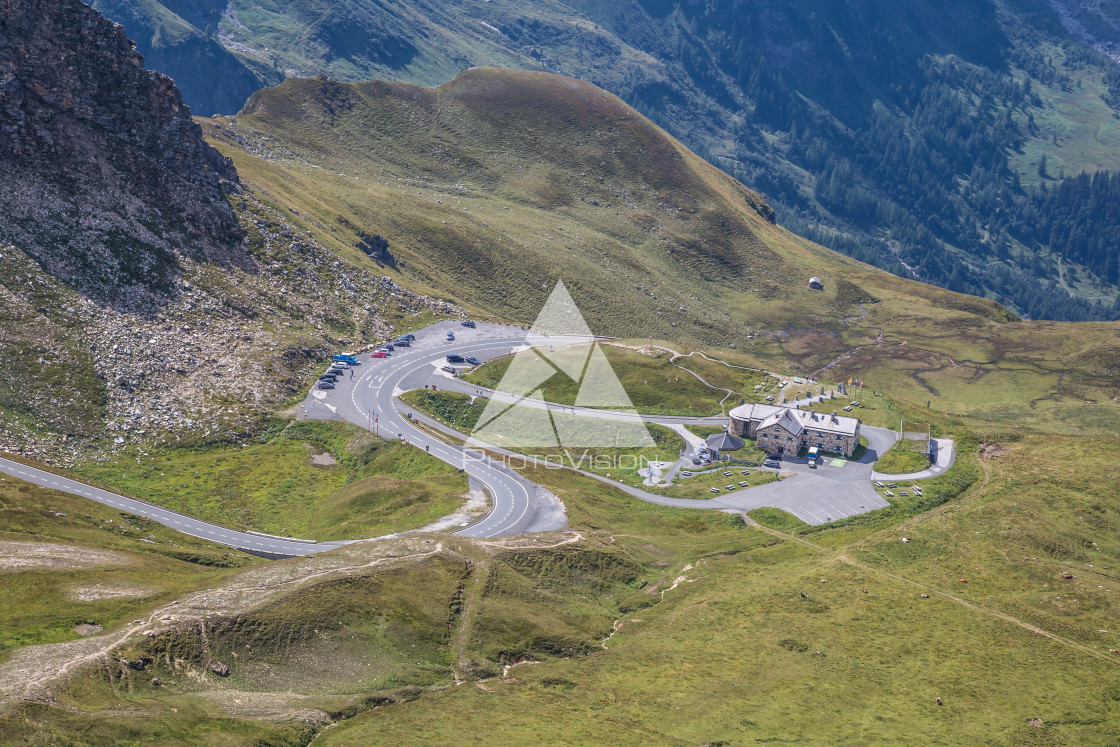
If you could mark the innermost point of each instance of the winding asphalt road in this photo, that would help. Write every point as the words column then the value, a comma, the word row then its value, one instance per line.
column 519, row 505
column 825, row 493
column 253, row 542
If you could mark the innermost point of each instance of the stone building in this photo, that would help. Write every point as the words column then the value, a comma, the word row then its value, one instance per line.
column 785, row 430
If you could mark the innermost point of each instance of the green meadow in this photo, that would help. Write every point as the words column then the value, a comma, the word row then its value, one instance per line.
column 304, row 479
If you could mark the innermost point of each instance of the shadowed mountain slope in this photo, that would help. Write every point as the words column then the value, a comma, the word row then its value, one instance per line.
column 107, row 177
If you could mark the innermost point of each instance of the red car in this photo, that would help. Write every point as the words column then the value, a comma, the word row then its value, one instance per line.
column 379, row 354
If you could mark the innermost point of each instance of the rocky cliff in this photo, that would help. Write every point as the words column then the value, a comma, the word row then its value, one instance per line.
column 108, row 183
column 136, row 305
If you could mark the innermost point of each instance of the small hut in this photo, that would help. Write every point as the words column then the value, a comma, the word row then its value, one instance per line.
column 816, row 283
column 724, row 441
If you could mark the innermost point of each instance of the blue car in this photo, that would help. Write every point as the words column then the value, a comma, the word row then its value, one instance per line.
column 471, row 360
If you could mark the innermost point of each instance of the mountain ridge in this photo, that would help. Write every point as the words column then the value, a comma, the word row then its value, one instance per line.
column 861, row 123
column 108, row 177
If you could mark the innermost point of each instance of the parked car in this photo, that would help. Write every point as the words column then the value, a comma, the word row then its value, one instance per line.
column 328, row 377
column 469, row 323
column 774, row 457
column 389, row 347
column 326, row 385
column 471, row 360
column 403, row 343
column 456, row 359
column 383, row 350
column 450, row 336
column 337, row 372
column 448, row 369
column 378, row 354
column 772, row 464
column 410, row 337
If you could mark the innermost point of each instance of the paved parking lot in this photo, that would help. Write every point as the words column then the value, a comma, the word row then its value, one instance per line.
column 815, row 499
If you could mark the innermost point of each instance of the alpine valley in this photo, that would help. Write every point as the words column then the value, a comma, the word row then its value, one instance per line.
column 242, row 356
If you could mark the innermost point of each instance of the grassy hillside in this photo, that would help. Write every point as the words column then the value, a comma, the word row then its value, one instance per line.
column 494, row 186
column 66, row 561
column 712, row 639
column 320, row 481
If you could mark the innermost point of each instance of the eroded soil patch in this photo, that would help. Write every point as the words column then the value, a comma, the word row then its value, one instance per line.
column 21, row 556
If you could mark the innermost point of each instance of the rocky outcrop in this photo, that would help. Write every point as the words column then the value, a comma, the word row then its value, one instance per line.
column 107, row 180
column 376, row 247
column 146, row 309
column 113, row 380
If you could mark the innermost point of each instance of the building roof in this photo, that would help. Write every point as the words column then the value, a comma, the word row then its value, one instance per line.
column 724, row 442
column 795, row 421
column 786, row 420
column 753, row 411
